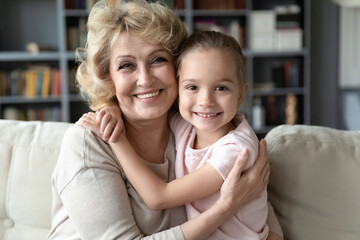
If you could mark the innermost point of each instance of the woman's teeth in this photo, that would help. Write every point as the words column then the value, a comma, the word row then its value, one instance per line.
column 148, row 95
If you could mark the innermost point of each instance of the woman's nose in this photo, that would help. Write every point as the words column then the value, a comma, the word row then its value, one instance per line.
column 145, row 77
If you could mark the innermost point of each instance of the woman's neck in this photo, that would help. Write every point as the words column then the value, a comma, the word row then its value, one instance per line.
column 149, row 138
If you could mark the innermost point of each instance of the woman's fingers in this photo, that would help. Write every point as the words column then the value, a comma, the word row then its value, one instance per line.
column 264, row 158
column 239, row 165
column 260, row 171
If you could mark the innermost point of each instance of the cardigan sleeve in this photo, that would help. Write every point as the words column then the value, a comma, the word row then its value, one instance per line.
column 94, row 195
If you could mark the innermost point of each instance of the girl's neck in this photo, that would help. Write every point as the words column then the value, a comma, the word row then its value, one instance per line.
column 149, row 138
column 204, row 139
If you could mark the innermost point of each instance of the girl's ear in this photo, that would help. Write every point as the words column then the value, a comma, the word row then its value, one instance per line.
column 243, row 93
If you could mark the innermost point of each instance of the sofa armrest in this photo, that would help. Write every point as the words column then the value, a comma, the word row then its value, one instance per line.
column 314, row 181
column 29, row 152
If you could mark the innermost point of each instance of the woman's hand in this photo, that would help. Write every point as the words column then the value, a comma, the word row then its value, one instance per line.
column 240, row 187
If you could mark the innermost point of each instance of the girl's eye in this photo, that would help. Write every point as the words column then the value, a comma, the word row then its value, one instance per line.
column 221, row 88
column 125, row 65
column 159, row 60
column 191, row 87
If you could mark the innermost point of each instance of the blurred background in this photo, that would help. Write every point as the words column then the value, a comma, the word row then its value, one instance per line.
column 302, row 57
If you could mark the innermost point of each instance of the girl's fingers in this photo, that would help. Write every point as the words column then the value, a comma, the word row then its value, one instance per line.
column 116, row 133
column 105, row 121
column 99, row 115
column 108, row 129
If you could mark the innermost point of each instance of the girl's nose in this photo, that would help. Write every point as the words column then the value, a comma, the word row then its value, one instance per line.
column 206, row 99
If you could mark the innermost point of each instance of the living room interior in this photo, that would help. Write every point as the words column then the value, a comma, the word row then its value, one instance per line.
column 310, row 117
column 324, row 37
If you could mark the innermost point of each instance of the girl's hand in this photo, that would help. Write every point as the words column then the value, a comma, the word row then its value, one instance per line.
column 107, row 123
column 239, row 188
column 111, row 123
column 88, row 121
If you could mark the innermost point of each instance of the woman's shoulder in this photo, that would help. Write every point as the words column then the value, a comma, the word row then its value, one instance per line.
column 81, row 150
column 88, row 146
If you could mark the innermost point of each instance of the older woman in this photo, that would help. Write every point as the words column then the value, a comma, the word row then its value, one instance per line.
column 129, row 62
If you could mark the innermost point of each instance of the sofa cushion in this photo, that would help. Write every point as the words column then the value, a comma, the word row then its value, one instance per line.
column 314, row 181
column 29, row 152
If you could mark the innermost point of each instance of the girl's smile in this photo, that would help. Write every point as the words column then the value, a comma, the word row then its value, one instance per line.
column 209, row 91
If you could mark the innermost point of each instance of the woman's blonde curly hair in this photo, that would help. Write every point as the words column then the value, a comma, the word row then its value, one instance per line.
column 153, row 22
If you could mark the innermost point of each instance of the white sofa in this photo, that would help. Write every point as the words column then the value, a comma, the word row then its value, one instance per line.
column 314, row 182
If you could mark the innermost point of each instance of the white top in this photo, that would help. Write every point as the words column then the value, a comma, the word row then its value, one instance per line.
column 250, row 221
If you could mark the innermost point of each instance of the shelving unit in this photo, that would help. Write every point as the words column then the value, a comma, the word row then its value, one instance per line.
column 257, row 61
column 53, row 20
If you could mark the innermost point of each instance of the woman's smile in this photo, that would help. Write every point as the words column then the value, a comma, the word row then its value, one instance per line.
column 147, row 95
column 144, row 77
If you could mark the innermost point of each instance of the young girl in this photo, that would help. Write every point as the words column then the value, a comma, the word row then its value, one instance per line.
column 209, row 135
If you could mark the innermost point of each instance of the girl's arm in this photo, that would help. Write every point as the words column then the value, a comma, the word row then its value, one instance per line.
column 156, row 193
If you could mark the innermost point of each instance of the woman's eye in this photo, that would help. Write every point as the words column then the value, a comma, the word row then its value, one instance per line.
column 159, row 60
column 125, row 65
column 221, row 88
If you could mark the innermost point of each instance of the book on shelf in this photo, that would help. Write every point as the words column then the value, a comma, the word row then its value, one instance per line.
column 73, row 87
column 223, row 4
column 80, row 4
column 76, row 35
column 56, row 87
column 172, row 4
column 287, row 74
column 234, row 28
column 277, row 29
column 32, row 114
column 281, row 109
column 180, row 4
column 36, row 81
column 291, row 109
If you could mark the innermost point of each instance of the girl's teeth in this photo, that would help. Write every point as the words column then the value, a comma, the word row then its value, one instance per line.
column 206, row 115
column 148, row 95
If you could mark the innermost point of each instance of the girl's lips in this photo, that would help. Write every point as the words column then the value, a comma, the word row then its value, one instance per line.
column 206, row 115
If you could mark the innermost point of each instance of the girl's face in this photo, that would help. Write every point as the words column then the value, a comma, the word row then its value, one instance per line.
column 209, row 91
column 144, row 77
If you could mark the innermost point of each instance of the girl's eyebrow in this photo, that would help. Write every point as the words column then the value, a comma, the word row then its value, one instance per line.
column 190, row 80
column 226, row 80
column 194, row 80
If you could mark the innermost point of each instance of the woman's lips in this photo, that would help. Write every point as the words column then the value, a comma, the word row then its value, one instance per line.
column 147, row 95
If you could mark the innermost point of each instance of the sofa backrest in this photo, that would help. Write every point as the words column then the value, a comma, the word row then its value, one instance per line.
column 28, row 154
column 314, row 181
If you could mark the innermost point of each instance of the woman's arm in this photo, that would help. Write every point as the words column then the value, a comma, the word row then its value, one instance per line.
column 91, row 198
column 237, row 190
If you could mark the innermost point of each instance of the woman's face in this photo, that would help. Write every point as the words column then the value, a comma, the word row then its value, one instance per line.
column 144, row 77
